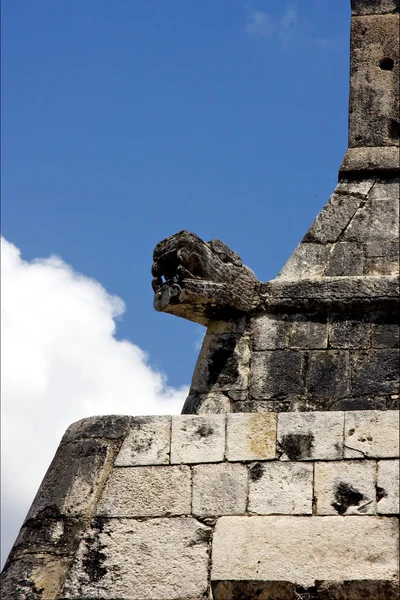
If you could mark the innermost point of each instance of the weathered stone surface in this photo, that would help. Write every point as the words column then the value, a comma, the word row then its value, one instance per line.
column 57, row 535
column 308, row 331
column 209, row 402
column 165, row 559
column 276, row 373
column 73, row 479
column 280, row 548
column 377, row 220
column 308, row 436
column 281, row 489
column 219, row 489
column 387, row 494
column 307, row 261
column 370, row 160
column 375, row 372
column 345, row 488
column 349, row 331
column 374, row 7
column 146, row 492
column 366, row 589
column 251, row 436
column 333, row 219
column 385, row 331
column 346, row 258
column 374, row 81
column 374, row 434
column 34, row 577
column 198, row 439
column 386, row 189
column 222, row 365
column 254, row 590
column 359, row 188
column 110, row 427
column 328, row 374
column 147, row 443
column 270, row 332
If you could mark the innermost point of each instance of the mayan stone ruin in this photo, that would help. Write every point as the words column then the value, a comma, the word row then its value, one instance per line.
column 280, row 480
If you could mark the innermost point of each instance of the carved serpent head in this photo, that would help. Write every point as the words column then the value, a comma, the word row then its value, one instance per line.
column 200, row 281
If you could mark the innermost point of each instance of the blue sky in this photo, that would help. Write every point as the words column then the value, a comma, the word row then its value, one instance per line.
column 124, row 122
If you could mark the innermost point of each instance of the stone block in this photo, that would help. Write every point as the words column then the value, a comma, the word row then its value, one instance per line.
column 311, row 436
column 251, row 436
column 222, row 364
column 269, row 332
column 377, row 220
column 328, row 374
column 34, row 577
column 333, row 219
column 373, row 7
column 386, row 190
column 359, row 188
column 345, row 488
column 198, row 439
column 165, row 559
column 346, row 331
column 346, row 259
column 210, row 402
column 146, row 492
column 281, row 488
column 385, row 331
column 219, row 489
column 308, row 261
column 308, row 331
column 73, row 479
column 276, row 373
column 387, row 490
column 147, row 443
column 375, row 372
column 372, row 433
column 106, row 427
column 304, row 549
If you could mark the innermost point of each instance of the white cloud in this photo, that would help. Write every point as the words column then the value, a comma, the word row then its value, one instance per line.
column 60, row 363
column 259, row 24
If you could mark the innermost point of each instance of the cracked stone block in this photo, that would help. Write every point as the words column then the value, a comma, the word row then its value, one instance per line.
column 311, row 436
column 304, row 549
column 308, row 261
column 387, row 489
column 251, row 436
column 355, row 188
column 346, row 258
column 375, row 372
column 308, row 331
column 332, row 219
column 378, row 220
column 276, row 373
column 165, row 559
column 198, row 438
column 147, row 443
column 269, row 332
column 345, row 488
column 386, row 190
column 349, row 332
column 372, row 433
column 328, row 374
column 222, row 364
column 219, row 489
column 146, row 492
column 281, row 488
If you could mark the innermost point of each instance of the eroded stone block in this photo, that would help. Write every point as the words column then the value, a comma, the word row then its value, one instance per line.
column 372, row 433
column 251, row 436
column 345, row 488
column 387, row 494
column 198, row 439
column 165, row 559
column 34, row 577
column 375, row 372
column 311, row 436
column 147, row 443
column 308, row 261
column 219, row 489
column 346, row 331
column 328, row 374
column 308, row 331
column 281, row 488
column 269, row 332
column 333, row 218
column 275, row 373
column 278, row 548
column 146, row 492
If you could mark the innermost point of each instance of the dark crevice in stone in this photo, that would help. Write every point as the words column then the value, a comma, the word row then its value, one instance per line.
column 297, row 445
column 346, row 496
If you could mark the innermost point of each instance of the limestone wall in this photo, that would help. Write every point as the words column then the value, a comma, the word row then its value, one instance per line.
column 230, row 506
